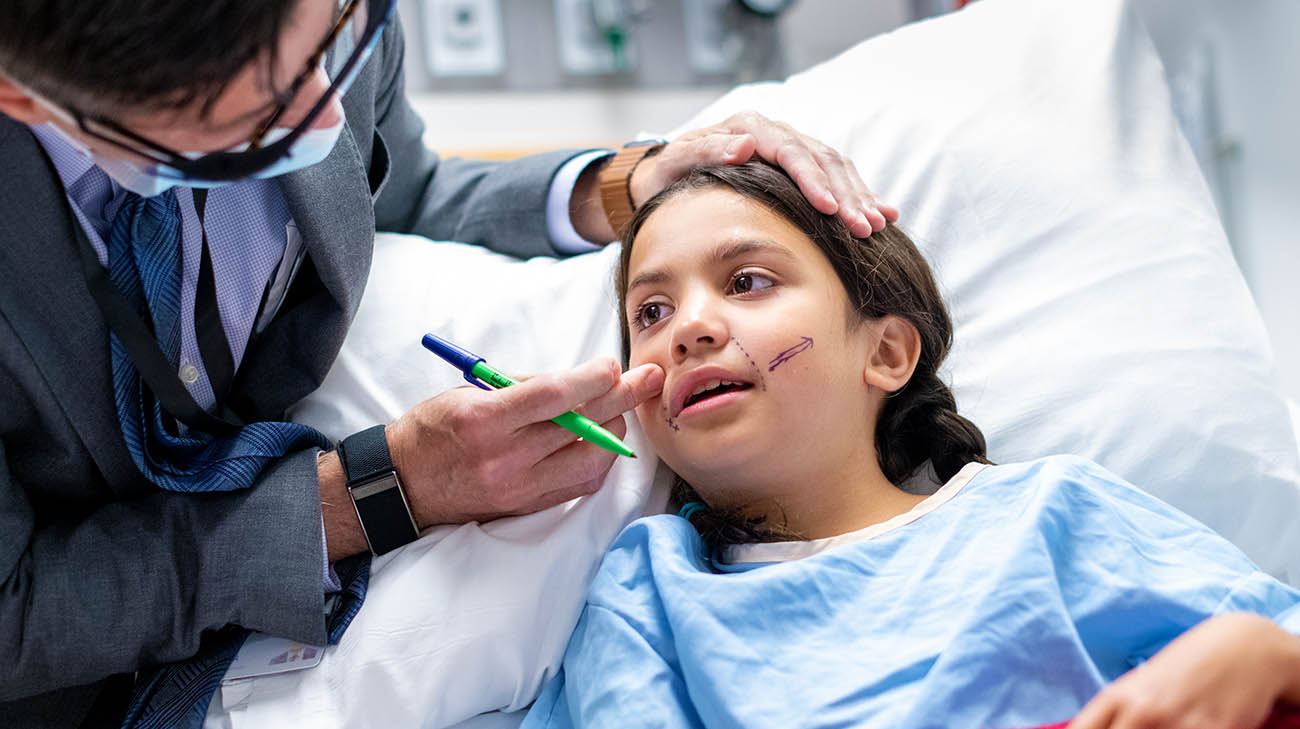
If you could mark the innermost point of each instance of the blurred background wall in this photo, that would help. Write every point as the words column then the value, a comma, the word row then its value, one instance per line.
column 500, row 78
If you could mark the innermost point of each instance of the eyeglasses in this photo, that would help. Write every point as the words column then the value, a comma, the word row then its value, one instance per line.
column 356, row 33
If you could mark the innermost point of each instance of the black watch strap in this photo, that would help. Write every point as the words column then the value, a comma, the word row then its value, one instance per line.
column 376, row 491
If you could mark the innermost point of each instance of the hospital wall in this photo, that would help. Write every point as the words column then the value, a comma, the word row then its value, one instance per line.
column 1233, row 67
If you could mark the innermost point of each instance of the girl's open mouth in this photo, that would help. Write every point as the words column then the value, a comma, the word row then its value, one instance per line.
column 714, row 396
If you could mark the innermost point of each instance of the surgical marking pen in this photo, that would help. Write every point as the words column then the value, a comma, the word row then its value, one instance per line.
column 477, row 372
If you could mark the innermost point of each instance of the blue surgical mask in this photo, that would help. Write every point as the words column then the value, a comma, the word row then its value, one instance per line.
column 312, row 147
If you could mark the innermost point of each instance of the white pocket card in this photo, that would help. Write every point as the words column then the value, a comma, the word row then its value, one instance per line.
column 263, row 654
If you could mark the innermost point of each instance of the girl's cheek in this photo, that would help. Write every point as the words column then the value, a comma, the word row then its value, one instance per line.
column 802, row 345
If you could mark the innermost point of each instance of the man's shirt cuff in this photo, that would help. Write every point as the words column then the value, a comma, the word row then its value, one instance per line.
column 329, row 578
column 559, row 225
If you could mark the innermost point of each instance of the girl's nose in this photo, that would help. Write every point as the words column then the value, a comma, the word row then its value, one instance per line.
column 699, row 329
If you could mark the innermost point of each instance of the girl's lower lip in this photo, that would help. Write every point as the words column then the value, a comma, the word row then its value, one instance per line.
column 714, row 403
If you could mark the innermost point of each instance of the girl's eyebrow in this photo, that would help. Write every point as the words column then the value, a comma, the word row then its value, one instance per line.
column 724, row 252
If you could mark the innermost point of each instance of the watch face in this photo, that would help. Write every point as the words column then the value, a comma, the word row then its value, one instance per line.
column 385, row 517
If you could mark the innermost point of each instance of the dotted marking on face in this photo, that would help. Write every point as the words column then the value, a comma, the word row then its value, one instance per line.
column 803, row 346
column 762, row 382
column 669, row 419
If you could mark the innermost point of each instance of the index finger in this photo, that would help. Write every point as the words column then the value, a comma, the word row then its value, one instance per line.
column 543, row 397
column 1096, row 714
column 785, row 147
column 790, row 153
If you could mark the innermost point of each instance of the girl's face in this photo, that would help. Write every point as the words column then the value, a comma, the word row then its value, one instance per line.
column 765, row 383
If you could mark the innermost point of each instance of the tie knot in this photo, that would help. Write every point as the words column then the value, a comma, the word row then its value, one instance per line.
column 149, row 218
column 92, row 193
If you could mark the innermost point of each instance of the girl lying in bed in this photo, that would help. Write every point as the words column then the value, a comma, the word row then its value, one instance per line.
column 818, row 577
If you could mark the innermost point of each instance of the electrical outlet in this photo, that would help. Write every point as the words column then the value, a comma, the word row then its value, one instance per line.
column 464, row 37
column 585, row 48
column 713, row 44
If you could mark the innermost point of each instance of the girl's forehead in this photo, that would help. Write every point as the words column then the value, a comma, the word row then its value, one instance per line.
column 688, row 229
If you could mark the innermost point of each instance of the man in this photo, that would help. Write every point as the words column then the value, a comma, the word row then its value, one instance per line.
column 179, row 174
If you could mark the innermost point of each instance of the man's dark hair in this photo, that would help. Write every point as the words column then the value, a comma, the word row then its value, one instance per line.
column 100, row 56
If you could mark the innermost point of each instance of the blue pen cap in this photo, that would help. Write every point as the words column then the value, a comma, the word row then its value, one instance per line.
column 459, row 358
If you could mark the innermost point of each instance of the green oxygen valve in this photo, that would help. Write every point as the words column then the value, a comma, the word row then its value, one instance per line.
column 614, row 21
column 616, row 36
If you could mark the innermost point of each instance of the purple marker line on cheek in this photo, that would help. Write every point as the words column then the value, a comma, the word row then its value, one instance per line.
column 761, row 380
column 803, row 346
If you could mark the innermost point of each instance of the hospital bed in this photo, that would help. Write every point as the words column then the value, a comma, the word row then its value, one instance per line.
column 1033, row 152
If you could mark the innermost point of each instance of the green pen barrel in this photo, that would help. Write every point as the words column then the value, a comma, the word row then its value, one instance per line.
column 581, row 426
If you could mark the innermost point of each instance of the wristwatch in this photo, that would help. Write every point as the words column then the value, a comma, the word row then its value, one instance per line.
column 616, row 181
column 376, row 492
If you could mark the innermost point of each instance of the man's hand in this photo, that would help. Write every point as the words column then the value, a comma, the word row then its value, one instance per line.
column 1227, row 673
column 471, row 455
column 829, row 180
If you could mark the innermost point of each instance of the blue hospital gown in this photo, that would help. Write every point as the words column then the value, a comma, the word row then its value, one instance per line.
column 1009, row 605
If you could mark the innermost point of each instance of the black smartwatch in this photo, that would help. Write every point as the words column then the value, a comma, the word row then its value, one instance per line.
column 376, row 493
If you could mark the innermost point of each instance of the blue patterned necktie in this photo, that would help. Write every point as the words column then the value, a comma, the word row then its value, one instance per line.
column 144, row 265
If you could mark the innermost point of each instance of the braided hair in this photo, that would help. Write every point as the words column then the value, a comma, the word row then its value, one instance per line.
column 882, row 274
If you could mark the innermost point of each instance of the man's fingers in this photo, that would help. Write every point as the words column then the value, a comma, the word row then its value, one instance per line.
column 740, row 149
column 889, row 211
column 685, row 154
column 781, row 145
column 577, row 469
column 839, row 189
column 826, row 178
column 540, row 440
column 543, row 397
column 1097, row 714
column 793, row 156
column 866, row 203
column 559, row 496
column 634, row 387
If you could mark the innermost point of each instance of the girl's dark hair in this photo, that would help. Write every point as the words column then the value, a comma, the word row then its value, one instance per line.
column 100, row 56
column 882, row 274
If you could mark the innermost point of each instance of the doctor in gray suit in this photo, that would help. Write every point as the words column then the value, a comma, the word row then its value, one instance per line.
column 148, row 492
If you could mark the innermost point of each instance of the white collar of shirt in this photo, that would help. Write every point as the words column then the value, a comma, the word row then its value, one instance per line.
column 787, row 551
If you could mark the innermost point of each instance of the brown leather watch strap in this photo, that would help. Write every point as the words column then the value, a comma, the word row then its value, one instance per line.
column 615, row 182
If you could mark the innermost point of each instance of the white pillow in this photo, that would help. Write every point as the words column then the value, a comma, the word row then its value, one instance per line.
column 473, row 617
column 1032, row 150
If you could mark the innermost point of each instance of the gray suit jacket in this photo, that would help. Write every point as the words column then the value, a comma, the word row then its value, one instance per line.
column 100, row 572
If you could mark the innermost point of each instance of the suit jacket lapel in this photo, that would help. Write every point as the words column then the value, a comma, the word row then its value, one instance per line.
column 330, row 203
column 45, row 299
column 61, row 325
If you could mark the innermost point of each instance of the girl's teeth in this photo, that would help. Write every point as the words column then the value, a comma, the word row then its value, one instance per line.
column 707, row 386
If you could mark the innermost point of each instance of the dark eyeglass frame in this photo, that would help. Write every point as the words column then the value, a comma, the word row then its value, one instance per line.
column 222, row 166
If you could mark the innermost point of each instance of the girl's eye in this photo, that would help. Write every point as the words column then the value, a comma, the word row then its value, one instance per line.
column 650, row 313
column 750, row 281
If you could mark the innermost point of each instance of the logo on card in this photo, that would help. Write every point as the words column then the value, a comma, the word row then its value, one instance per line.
column 296, row 652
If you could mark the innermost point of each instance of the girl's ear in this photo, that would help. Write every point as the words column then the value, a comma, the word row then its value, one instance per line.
column 895, row 351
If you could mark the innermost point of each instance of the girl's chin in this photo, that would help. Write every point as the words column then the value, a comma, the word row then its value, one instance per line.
column 721, row 468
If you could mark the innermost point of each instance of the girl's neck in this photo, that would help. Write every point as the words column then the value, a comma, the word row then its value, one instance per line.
column 852, row 496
